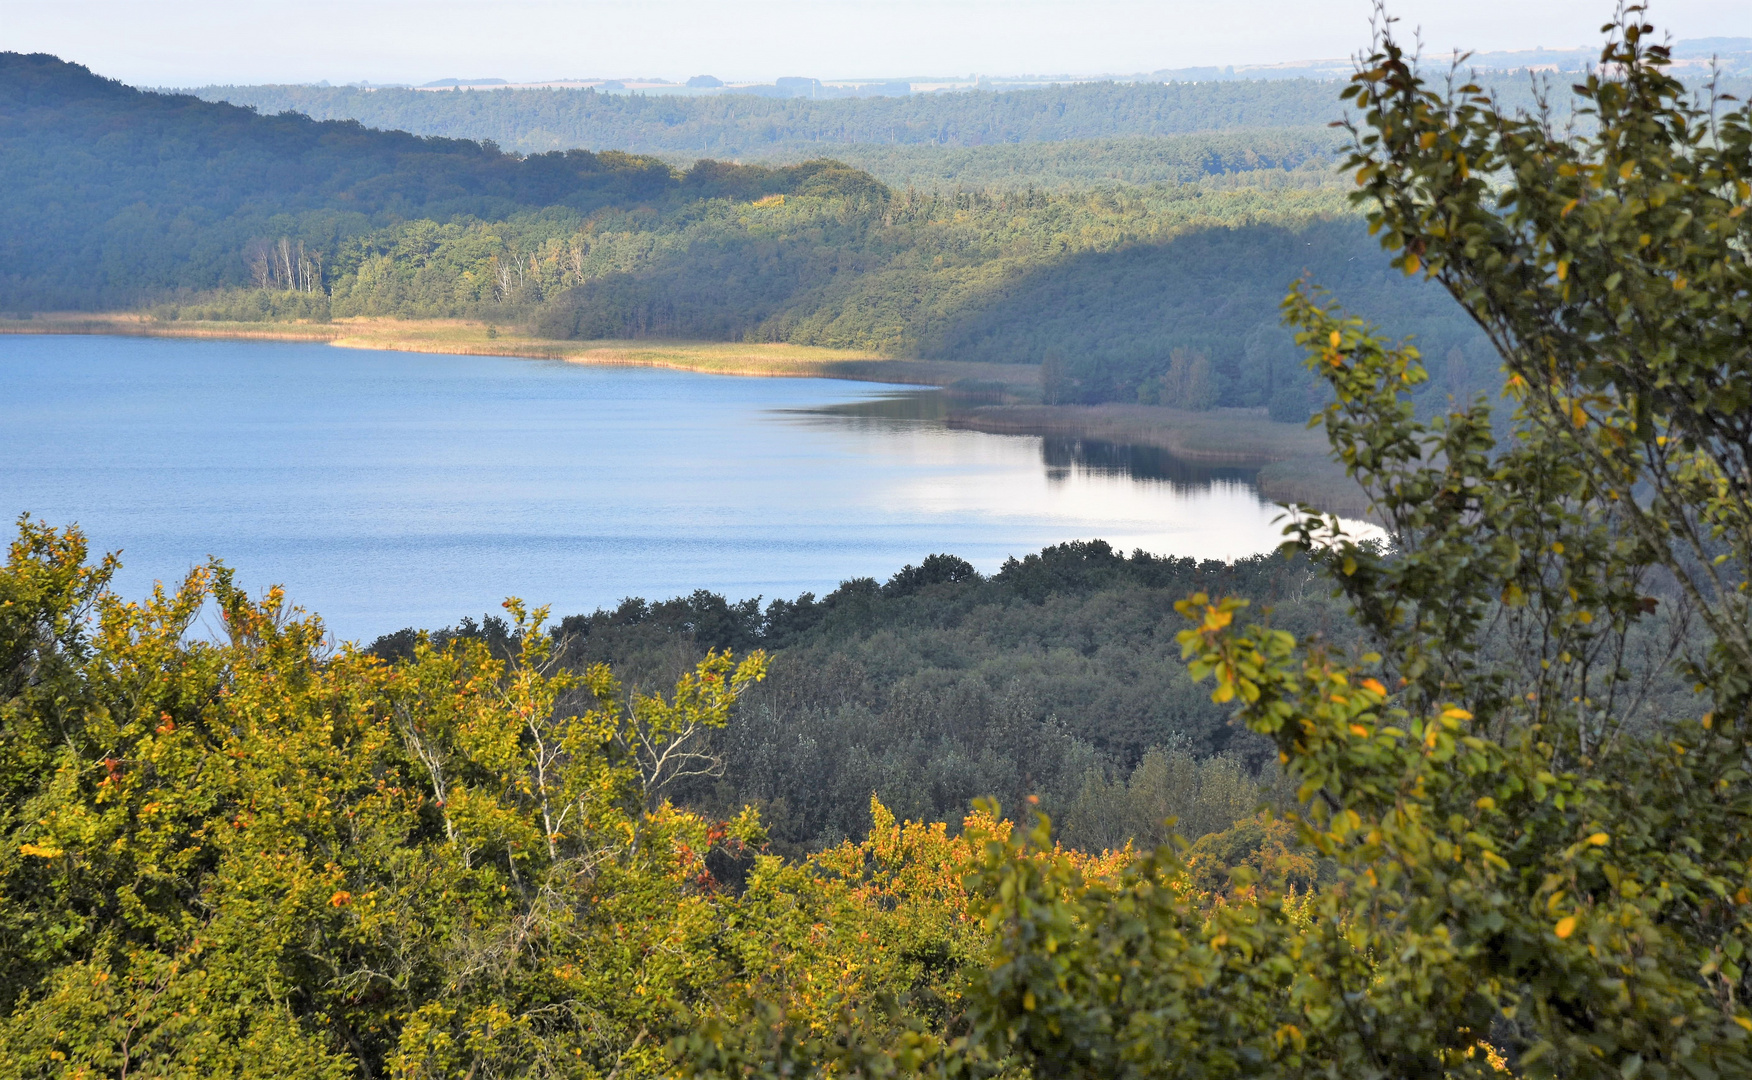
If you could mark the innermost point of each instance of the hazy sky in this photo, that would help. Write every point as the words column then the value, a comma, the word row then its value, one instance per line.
column 190, row 42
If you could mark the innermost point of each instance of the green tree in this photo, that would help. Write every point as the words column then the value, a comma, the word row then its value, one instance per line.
column 1540, row 866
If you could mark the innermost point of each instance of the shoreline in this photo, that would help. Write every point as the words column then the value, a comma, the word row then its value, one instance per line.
column 459, row 337
column 1292, row 461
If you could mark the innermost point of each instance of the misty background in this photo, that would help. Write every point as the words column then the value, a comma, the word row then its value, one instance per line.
column 200, row 42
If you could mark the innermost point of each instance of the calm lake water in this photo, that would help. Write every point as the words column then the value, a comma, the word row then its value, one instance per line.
column 392, row 489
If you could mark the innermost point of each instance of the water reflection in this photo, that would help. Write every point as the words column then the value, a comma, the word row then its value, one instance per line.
column 1062, row 457
column 882, row 411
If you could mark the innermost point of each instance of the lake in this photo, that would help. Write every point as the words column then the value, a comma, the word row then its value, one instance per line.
column 388, row 489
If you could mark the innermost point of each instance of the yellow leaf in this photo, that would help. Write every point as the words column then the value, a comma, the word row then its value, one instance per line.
column 1359, row 731
column 41, row 851
column 1486, row 803
column 1426, row 140
column 1599, row 839
column 1336, row 338
column 1562, row 269
column 1374, row 687
column 1412, row 263
column 1566, row 926
column 1454, row 712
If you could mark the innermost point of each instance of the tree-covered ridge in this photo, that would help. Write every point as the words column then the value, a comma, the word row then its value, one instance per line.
column 746, row 126
column 110, row 193
column 1108, row 286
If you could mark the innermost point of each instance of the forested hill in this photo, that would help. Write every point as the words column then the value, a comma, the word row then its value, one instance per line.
column 747, row 126
column 108, row 193
column 113, row 197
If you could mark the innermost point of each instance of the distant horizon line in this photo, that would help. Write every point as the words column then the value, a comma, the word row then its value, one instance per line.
column 1688, row 53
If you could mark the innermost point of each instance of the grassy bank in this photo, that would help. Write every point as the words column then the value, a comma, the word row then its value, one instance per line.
column 469, row 338
column 1292, row 460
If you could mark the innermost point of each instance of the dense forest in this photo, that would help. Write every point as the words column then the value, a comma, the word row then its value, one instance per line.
column 261, row 216
column 1051, row 678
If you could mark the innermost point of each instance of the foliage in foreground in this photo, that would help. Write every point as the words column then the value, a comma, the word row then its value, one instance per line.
column 249, row 856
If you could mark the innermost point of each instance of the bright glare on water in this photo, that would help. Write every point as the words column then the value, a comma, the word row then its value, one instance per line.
column 390, row 489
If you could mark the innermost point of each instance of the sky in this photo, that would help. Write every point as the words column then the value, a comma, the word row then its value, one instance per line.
column 197, row 42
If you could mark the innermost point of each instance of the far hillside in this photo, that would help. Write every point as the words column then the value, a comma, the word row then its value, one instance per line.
column 109, row 194
column 112, row 197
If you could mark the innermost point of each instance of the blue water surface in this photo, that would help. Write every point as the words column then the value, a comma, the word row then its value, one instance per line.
column 387, row 489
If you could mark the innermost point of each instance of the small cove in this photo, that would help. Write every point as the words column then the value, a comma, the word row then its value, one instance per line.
column 389, row 489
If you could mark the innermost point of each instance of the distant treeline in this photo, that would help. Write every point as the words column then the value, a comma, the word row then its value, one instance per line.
column 745, row 126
